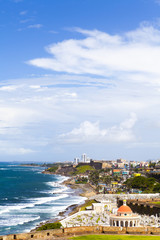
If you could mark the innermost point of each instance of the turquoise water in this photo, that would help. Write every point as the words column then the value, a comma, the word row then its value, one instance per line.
column 28, row 197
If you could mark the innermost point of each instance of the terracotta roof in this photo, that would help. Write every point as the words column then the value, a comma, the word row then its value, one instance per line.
column 124, row 209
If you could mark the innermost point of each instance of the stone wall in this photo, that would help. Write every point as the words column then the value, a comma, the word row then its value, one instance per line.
column 143, row 196
column 48, row 234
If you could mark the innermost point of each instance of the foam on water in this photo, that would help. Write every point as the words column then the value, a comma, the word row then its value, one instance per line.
column 17, row 220
column 33, row 203
column 38, row 199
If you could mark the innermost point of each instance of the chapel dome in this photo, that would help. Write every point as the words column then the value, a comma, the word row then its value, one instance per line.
column 124, row 209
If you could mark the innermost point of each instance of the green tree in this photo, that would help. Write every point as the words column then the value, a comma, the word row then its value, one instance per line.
column 140, row 182
column 94, row 177
column 156, row 188
column 107, row 179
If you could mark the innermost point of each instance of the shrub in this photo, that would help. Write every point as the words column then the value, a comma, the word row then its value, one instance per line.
column 47, row 226
column 52, row 169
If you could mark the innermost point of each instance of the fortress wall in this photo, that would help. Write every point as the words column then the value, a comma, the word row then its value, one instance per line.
column 80, row 230
column 48, row 234
column 113, row 230
column 137, row 230
column 23, row 236
column 154, row 230
column 141, row 196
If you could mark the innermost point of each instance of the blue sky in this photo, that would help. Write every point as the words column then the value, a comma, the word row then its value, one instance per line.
column 79, row 76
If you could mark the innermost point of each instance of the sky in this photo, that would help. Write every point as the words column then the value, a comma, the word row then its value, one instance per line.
column 79, row 76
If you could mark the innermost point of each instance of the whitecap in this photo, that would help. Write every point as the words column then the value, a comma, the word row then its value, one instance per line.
column 33, row 203
column 57, row 185
column 18, row 220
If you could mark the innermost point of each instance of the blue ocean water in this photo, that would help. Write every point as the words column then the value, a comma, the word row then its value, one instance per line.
column 28, row 197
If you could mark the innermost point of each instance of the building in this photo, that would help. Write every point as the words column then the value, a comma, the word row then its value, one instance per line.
column 124, row 217
column 116, row 172
column 76, row 161
column 84, row 158
column 104, row 206
column 101, row 164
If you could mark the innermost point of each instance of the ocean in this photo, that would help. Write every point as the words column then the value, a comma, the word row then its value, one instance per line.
column 28, row 197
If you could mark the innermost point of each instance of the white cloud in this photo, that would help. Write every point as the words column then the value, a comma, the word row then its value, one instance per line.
column 11, row 117
column 36, row 110
column 53, row 32
column 91, row 132
column 35, row 26
column 15, row 150
column 35, row 86
column 8, row 88
column 32, row 119
column 23, row 13
column 100, row 53
column 157, row 1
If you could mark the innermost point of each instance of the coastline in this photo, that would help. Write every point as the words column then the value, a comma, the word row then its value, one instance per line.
column 83, row 190
column 86, row 189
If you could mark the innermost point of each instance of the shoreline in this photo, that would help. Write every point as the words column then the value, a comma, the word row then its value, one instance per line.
column 82, row 190
column 87, row 189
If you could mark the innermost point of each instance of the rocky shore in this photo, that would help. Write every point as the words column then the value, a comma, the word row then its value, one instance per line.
column 84, row 190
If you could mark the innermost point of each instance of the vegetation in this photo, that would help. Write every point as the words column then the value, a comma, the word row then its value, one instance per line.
column 145, row 184
column 116, row 237
column 156, row 203
column 52, row 169
column 88, row 203
column 156, row 176
column 156, row 188
column 82, row 180
column 47, row 226
column 107, row 179
column 83, row 169
column 152, row 164
column 94, row 177
column 55, row 164
column 98, row 220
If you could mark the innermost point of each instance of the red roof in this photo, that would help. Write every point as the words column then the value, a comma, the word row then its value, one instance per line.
column 124, row 209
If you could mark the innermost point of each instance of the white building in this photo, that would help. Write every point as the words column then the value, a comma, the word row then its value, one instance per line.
column 124, row 217
column 76, row 161
column 84, row 158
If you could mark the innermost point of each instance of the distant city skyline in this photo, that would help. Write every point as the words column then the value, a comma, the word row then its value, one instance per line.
column 79, row 76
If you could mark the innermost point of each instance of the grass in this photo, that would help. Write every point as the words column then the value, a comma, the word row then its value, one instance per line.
column 156, row 203
column 83, row 169
column 98, row 220
column 87, row 204
column 116, row 237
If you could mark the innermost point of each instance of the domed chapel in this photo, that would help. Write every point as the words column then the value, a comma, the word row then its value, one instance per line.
column 124, row 217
